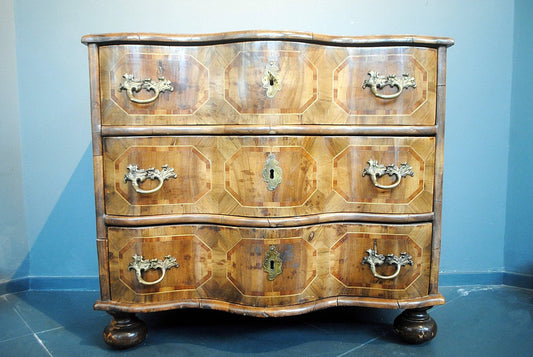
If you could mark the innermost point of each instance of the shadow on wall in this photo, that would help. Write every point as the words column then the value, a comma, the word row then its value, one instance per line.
column 63, row 255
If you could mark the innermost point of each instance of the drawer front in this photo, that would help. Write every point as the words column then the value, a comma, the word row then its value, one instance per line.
column 268, row 176
column 266, row 83
column 267, row 267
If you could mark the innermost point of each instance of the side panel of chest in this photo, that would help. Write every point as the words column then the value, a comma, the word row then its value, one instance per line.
column 268, row 176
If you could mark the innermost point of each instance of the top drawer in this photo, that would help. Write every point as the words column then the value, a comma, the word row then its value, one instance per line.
column 267, row 83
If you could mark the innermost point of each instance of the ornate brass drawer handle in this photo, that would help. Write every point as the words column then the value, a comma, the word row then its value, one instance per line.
column 139, row 265
column 375, row 170
column 137, row 176
column 272, row 172
column 272, row 264
column 374, row 260
column 130, row 85
column 377, row 81
column 271, row 79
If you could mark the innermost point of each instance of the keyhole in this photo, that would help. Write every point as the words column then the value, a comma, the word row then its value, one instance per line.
column 271, row 264
column 271, row 174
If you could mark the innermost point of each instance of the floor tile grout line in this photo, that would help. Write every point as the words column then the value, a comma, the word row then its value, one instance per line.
column 16, row 337
column 42, row 344
column 49, row 330
column 363, row 344
column 20, row 317
column 33, row 333
column 436, row 308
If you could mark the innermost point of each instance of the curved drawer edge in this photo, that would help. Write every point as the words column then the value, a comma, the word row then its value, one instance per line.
column 321, row 130
column 271, row 222
column 278, row 311
column 265, row 35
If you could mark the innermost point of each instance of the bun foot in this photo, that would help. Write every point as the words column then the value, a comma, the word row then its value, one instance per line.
column 415, row 325
column 124, row 331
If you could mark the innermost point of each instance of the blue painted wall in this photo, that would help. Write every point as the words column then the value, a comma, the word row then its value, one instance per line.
column 13, row 240
column 519, row 222
column 54, row 107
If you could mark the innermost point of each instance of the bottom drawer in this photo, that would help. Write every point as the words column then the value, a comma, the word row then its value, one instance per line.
column 268, row 267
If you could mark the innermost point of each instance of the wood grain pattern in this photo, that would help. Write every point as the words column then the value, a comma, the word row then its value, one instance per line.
column 261, row 35
column 439, row 170
column 224, row 175
column 334, row 130
column 271, row 222
column 319, row 262
column 276, row 311
column 217, row 128
column 222, row 84
column 414, row 106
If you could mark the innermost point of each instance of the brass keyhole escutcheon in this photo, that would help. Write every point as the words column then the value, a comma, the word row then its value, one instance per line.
column 271, row 79
column 272, row 172
column 272, row 264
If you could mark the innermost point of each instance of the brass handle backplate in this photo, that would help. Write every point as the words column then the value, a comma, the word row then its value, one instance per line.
column 272, row 172
column 271, row 79
column 377, row 81
column 139, row 265
column 374, row 260
column 375, row 170
column 131, row 85
column 137, row 176
column 272, row 264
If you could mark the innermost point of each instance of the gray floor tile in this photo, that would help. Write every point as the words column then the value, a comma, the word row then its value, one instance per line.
column 476, row 321
column 324, row 333
column 23, row 346
column 12, row 324
column 480, row 321
column 45, row 310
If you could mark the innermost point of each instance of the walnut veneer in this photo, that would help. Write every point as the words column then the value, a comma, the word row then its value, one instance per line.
column 267, row 173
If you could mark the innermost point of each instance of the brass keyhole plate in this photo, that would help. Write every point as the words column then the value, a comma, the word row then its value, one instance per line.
column 272, row 264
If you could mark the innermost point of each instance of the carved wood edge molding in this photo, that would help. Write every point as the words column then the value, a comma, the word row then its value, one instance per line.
column 426, row 301
column 429, row 130
column 260, row 35
column 267, row 222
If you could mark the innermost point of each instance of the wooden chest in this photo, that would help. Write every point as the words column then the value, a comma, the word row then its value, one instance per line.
column 267, row 173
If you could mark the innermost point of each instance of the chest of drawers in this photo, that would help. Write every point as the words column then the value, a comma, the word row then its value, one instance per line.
column 267, row 173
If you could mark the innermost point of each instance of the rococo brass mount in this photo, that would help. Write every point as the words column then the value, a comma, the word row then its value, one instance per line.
column 271, row 79
column 137, row 176
column 272, row 264
column 130, row 85
column 272, row 172
column 375, row 170
column 377, row 81
column 139, row 265
column 374, row 260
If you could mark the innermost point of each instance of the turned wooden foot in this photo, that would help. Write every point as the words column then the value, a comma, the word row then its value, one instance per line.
column 415, row 325
column 125, row 330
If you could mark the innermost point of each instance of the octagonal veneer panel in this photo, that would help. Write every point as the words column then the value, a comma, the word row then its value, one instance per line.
column 355, row 100
column 189, row 78
column 244, row 178
column 349, row 182
column 192, row 255
column 347, row 255
column 192, row 169
column 244, row 87
column 245, row 266
column 414, row 106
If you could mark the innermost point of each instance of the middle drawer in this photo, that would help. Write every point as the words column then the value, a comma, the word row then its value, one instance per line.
column 270, row 176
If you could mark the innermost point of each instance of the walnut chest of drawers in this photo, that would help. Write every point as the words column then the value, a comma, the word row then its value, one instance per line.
column 268, row 174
